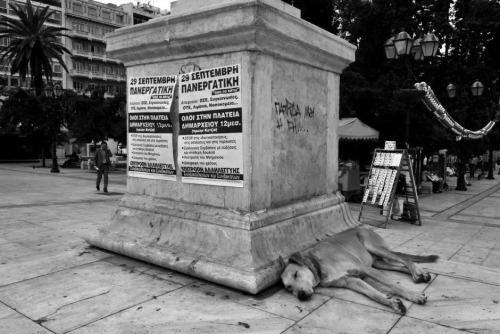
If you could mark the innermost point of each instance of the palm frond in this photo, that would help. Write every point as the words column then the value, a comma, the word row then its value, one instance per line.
column 33, row 45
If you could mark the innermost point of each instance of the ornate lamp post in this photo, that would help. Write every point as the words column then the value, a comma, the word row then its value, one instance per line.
column 476, row 90
column 410, row 49
column 54, row 93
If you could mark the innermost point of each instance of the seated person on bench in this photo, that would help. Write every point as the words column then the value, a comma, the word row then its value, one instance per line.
column 437, row 182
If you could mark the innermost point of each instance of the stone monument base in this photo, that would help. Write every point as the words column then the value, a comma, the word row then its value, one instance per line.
column 235, row 249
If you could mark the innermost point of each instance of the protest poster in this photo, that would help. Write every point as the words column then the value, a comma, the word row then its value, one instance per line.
column 210, row 135
column 149, row 127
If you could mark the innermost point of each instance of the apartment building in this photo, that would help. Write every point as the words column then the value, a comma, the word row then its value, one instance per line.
column 90, row 67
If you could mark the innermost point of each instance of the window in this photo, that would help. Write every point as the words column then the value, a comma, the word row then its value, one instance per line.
column 106, row 15
column 3, row 6
column 94, row 30
column 81, row 28
column 57, row 68
column 120, row 18
column 55, row 18
column 4, row 41
column 14, row 82
column 92, row 11
column 77, row 7
column 78, row 46
column 78, row 85
column 79, row 66
column 5, row 66
column 94, row 68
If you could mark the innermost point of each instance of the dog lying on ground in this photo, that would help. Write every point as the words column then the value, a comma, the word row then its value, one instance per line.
column 344, row 260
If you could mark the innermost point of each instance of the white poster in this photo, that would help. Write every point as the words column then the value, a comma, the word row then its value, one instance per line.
column 149, row 128
column 210, row 137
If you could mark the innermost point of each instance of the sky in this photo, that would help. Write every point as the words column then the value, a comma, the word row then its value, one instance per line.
column 163, row 4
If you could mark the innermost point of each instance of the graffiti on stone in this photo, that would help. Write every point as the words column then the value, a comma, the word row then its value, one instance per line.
column 292, row 117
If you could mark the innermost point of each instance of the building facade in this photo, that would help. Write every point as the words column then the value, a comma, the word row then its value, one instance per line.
column 88, row 21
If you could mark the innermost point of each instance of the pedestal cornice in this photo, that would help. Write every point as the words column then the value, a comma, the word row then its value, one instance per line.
column 239, row 26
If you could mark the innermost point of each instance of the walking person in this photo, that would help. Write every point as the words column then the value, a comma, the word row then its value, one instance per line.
column 102, row 163
column 480, row 165
column 472, row 166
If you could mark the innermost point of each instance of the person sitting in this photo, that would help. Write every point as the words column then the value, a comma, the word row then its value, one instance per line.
column 437, row 182
column 72, row 160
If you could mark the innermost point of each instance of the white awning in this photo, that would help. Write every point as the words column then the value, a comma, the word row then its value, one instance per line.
column 353, row 128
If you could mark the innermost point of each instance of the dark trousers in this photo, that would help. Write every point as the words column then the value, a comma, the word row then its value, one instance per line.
column 103, row 170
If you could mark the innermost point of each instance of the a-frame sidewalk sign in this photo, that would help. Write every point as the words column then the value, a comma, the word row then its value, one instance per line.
column 386, row 168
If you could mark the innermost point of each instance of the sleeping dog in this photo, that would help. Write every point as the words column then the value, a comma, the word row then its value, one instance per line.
column 347, row 258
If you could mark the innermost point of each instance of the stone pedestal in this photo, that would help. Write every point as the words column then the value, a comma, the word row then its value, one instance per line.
column 289, row 199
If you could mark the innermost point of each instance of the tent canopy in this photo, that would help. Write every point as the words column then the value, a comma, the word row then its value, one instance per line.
column 353, row 128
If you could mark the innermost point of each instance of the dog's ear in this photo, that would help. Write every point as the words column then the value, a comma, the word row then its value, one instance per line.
column 281, row 262
column 296, row 258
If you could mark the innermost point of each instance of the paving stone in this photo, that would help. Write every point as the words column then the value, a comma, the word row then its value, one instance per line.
column 275, row 300
column 467, row 271
column 72, row 298
column 415, row 326
column 341, row 316
column 189, row 310
column 46, row 263
column 461, row 304
column 12, row 322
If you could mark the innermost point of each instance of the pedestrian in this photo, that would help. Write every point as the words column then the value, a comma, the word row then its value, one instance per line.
column 102, row 163
column 480, row 165
column 472, row 166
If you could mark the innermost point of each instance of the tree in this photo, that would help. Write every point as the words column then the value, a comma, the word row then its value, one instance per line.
column 33, row 45
column 95, row 119
column 23, row 115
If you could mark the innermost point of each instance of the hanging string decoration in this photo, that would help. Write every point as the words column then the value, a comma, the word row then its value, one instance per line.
column 432, row 103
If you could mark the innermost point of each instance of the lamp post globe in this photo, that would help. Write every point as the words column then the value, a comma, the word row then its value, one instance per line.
column 430, row 45
column 477, row 88
column 390, row 49
column 403, row 43
column 451, row 90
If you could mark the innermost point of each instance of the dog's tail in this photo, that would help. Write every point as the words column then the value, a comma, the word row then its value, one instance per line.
column 417, row 258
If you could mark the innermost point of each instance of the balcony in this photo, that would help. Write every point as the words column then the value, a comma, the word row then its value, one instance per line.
column 94, row 56
column 86, row 35
column 84, row 53
column 49, row 2
column 97, row 75
column 81, row 14
column 79, row 72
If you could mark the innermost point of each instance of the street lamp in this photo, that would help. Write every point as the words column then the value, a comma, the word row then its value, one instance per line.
column 409, row 49
column 451, row 90
column 53, row 93
column 403, row 45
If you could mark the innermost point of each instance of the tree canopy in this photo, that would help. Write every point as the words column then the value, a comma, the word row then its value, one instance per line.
column 469, row 33
column 32, row 44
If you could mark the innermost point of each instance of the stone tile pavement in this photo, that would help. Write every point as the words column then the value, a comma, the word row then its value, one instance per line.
column 51, row 281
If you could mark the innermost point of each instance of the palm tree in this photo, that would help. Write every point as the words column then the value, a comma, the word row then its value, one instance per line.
column 33, row 46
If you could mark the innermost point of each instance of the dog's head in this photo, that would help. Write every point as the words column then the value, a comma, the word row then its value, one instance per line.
column 300, row 276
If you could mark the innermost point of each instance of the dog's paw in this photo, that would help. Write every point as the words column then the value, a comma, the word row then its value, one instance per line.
column 422, row 278
column 420, row 299
column 398, row 306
